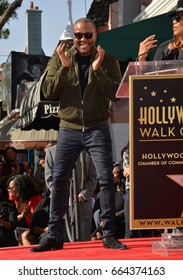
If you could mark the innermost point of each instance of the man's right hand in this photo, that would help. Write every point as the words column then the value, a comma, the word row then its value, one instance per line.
column 63, row 55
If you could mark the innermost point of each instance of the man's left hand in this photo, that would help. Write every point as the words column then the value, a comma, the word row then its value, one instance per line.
column 98, row 58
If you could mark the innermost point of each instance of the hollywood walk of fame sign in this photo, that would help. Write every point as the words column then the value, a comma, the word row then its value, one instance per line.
column 156, row 151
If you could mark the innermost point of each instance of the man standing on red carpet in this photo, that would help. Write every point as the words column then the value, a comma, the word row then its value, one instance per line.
column 85, row 79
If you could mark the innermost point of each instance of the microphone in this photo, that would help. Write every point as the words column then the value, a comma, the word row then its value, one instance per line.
column 156, row 48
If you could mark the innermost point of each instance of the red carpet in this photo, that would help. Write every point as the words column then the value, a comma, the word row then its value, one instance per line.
column 138, row 249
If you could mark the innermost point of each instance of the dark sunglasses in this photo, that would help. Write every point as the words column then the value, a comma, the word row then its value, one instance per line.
column 79, row 35
column 177, row 18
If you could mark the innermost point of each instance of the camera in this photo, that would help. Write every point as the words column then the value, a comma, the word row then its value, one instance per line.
column 68, row 44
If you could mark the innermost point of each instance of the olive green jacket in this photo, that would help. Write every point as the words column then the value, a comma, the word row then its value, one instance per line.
column 63, row 83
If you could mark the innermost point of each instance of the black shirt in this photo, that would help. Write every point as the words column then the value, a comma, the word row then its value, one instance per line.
column 84, row 64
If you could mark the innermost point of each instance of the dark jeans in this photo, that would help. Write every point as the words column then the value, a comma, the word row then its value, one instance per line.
column 97, row 142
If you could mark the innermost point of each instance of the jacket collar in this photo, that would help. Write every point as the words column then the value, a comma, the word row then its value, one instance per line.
column 73, row 51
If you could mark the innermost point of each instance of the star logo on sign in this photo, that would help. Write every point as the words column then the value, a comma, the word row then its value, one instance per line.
column 153, row 93
column 173, row 99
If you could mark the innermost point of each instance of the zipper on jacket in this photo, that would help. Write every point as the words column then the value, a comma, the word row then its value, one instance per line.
column 82, row 98
column 82, row 103
column 83, row 126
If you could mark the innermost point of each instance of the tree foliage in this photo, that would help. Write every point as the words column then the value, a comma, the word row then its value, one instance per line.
column 7, row 12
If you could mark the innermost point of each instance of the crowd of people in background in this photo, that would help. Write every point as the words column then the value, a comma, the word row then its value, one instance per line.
column 25, row 203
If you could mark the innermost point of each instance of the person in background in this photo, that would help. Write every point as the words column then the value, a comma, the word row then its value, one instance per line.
column 172, row 50
column 39, row 222
column 126, row 173
column 86, row 181
column 40, row 218
column 49, row 162
column 1, row 166
column 12, row 166
column 85, row 78
column 119, row 206
column 96, row 231
column 48, row 145
column 50, row 151
column 8, row 218
column 21, row 190
column 119, row 199
column 39, row 176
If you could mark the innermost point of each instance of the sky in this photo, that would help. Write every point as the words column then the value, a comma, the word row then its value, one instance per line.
column 54, row 22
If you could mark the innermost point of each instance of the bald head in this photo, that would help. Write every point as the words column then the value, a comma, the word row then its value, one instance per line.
column 85, row 20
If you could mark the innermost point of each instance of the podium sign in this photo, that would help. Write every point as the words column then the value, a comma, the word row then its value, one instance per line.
column 148, row 68
column 156, row 151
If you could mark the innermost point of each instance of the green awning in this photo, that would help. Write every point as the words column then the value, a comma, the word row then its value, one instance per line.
column 123, row 42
